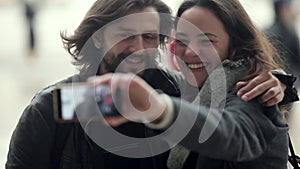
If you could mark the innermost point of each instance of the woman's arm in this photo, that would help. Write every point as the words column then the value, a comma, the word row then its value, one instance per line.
column 241, row 132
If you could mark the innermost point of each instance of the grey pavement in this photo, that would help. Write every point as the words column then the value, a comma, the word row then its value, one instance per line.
column 22, row 75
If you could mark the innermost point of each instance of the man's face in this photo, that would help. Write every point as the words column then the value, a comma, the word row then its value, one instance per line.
column 131, row 42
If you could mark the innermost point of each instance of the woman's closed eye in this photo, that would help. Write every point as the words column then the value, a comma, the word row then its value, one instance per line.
column 205, row 42
column 181, row 42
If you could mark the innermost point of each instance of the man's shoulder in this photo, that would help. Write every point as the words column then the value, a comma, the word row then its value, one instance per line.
column 174, row 74
column 41, row 106
column 44, row 96
column 166, row 80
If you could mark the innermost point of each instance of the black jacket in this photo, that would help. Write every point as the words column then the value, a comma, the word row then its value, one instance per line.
column 38, row 142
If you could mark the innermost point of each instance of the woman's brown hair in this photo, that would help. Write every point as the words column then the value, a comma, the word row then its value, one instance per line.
column 246, row 40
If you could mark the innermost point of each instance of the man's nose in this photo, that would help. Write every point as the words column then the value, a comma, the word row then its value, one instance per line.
column 137, row 44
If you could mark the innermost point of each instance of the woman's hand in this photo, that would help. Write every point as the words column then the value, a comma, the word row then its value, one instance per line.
column 139, row 102
column 264, row 84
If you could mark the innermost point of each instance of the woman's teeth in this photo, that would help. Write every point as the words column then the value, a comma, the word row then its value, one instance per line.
column 134, row 59
column 195, row 65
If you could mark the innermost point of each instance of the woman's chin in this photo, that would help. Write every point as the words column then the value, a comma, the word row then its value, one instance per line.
column 196, row 79
column 195, row 82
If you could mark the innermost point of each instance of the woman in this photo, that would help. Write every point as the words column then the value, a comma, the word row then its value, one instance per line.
column 233, row 133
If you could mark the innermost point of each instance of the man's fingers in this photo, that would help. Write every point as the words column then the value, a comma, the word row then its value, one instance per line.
column 241, row 84
column 245, row 87
column 265, row 84
column 273, row 101
column 248, row 89
column 272, row 94
column 95, row 80
column 115, row 120
column 254, row 92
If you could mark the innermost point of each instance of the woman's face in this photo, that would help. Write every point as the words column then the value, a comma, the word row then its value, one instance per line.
column 201, row 44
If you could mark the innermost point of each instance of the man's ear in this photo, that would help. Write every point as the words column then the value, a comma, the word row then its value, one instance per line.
column 96, row 40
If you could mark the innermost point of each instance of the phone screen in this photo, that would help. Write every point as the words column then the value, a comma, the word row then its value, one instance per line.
column 72, row 102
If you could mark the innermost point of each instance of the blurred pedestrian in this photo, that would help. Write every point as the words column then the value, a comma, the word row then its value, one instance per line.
column 30, row 13
column 283, row 35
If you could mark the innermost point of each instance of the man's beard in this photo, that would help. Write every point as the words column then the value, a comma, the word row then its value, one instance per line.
column 112, row 64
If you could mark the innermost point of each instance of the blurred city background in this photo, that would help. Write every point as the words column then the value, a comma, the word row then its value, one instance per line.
column 24, row 72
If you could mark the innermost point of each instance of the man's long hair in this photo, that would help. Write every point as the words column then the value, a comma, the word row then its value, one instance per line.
column 101, row 13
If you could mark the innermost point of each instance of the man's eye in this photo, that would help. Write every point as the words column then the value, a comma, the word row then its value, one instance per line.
column 150, row 36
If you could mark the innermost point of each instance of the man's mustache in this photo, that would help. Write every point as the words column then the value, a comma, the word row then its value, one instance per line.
column 123, row 56
column 111, row 67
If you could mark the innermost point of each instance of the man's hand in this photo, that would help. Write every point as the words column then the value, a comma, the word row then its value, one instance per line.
column 264, row 84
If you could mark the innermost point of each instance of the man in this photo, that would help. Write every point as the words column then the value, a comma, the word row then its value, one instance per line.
column 125, row 45
column 40, row 142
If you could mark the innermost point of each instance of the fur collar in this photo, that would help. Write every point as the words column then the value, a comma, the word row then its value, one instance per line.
column 220, row 82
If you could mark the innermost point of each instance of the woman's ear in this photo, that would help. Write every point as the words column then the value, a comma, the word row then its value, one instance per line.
column 96, row 40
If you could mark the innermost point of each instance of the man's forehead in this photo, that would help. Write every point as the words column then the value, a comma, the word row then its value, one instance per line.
column 143, row 10
column 136, row 22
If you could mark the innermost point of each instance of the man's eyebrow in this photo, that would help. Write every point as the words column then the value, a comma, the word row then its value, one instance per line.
column 121, row 28
column 151, row 31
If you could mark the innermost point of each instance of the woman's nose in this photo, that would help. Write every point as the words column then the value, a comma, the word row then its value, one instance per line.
column 190, row 52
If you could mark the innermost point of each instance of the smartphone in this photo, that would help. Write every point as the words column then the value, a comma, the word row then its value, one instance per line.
column 81, row 101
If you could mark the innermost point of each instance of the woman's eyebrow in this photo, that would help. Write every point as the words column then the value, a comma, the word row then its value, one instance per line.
column 206, row 34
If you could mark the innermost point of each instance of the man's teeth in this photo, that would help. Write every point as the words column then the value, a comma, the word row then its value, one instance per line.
column 196, row 66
